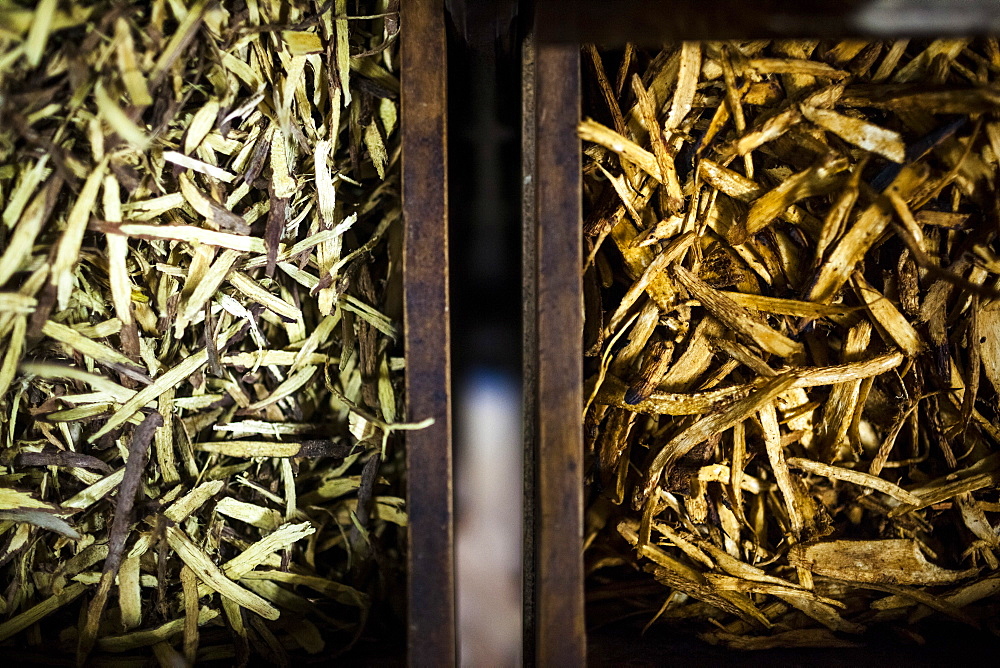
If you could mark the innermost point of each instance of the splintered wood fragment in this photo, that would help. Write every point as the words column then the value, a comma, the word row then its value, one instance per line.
column 205, row 285
column 691, row 582
column 783, row 306
column 38, row 33
column 797, row 66
column 728, row 181
column 677, row 403
column 796, row 596
column 206, row 571
column 290, row 385
column 88, row 347
column 844, row 397
column 329, row 588
column 890, row 561
column 151, row 392
column 669, row 403
column 182, row 160
column 852, row 247
column 147, row 637
column 744, row 356
column 654, row 367
column 925, row 598
column 15, row 346
column 118, row 120
column 772, row 128
column 855, row 477
column 982, row 474
column 190, row 593
column 132, row 478
column 740, row 187
column 68, row 251
column 737, row 465
column 889, row 317
column 343, row 52
column 216, row 214
column 836, row 218
column 706, row 427
column 987, row 334
column 729, row 583
column 255, row 291
column 734, row 101
column 687, row 84
column 182, row 508
column 202, row 123
column 735, row 316
column 282, row 538
column 592, row 131
column 41, row 610
column 95, row 492
column 610, row 98
column 246, row 448
column 256, row 515
column 775, row 454
column 654, row 279
column 964, row 595
column 192, row 235
column 647, row 111
column 129, row 593
column 816, row 180
column 861, row 133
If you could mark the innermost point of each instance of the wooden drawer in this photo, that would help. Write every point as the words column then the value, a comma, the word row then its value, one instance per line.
column 555, row 631
column 135, row 76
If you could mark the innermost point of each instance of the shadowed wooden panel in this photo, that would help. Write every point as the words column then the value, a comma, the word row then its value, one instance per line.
column 655, row 21
column 431, row 567
column 553, row 357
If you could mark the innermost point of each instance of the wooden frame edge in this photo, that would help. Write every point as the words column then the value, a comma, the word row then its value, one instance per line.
column 431, row 630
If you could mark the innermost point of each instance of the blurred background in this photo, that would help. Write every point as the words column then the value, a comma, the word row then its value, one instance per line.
column 485, row 203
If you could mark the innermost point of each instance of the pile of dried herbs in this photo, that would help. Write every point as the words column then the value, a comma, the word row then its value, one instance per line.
column 793, row 331
column 200, row 278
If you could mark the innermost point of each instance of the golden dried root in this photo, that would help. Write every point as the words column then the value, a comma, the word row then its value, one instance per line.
column 792, row 284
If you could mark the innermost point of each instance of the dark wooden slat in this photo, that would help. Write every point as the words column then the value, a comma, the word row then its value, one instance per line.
column 529, row 407
column 652, row 22
column 554, row 354
column 431, row 565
